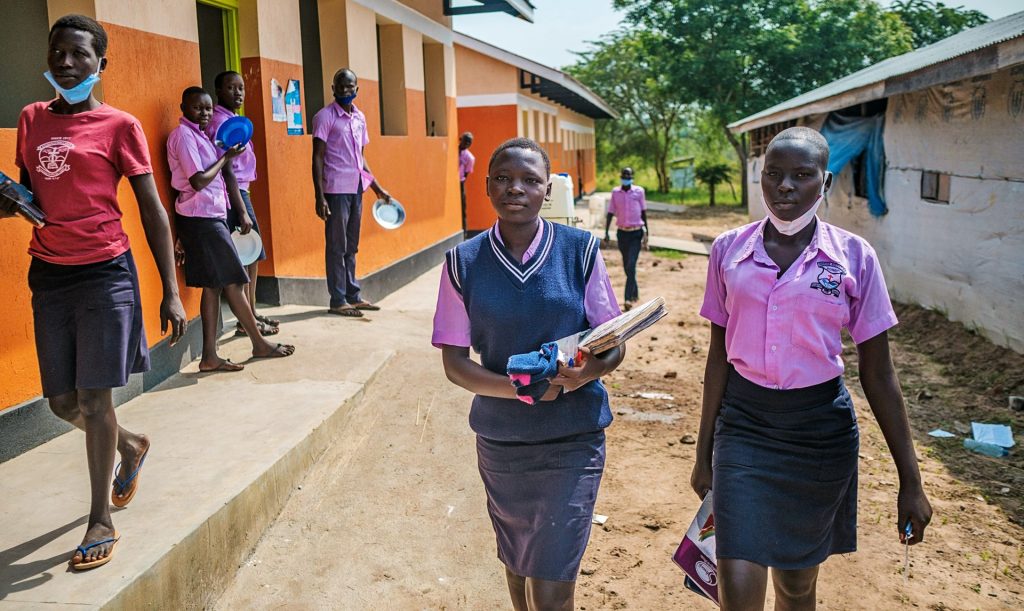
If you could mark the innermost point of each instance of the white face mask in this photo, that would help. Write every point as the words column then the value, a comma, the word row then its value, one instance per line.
column 794, row 226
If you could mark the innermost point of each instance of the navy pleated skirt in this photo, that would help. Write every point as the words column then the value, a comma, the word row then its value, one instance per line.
column 540, row 497
column 785, row 473
column 211, row 260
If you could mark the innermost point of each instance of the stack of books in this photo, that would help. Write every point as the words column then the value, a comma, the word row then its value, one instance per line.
column 617, row 330
column 24, row 201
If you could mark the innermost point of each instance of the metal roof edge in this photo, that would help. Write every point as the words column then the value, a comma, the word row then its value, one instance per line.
column 837, row 89
column 547, row 72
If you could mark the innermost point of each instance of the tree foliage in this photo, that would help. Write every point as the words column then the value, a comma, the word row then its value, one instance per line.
column 930, row 22
column 737, row 57
column 627, row 69
column 712, row 174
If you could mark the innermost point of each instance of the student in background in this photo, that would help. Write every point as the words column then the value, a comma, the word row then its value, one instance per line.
column 72, row 152
column 230, row 90
column 340, row 175
column 466, row 163
column 778, row 434
column 210, row 259
column 628, row 206
column 525, row 282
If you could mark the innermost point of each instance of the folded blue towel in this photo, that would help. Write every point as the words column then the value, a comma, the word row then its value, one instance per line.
column 539, row 365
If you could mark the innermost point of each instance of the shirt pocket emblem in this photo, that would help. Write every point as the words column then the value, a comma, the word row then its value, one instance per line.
column 830, row 277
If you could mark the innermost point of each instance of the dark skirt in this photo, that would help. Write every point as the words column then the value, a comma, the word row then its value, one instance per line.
column 88, row 324
column 785, row 474
column 233, row 222
column 540, row 497
column 211, row 260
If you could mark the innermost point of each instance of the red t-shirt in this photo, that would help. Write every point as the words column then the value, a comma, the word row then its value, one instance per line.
column 75, row 162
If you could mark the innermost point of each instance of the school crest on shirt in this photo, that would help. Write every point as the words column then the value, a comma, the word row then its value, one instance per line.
column 53, row 157
column 829, row 278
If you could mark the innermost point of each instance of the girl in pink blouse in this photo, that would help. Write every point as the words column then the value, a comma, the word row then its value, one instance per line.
column 778, row 436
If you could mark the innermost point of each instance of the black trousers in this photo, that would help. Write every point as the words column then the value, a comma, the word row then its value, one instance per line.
column 630, row 243
column 342, row 239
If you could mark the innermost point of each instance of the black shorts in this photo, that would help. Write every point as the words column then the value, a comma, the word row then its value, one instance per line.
column 88, row 324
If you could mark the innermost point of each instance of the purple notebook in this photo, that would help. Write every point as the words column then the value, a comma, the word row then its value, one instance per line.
column 23, row 199
column 696, row 553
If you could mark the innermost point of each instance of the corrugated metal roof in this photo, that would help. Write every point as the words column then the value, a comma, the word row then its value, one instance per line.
column 965, row 42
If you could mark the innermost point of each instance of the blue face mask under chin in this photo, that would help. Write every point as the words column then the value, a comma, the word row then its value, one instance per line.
column 80, row 92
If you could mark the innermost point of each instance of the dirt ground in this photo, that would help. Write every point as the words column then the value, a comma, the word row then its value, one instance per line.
column 393, row 516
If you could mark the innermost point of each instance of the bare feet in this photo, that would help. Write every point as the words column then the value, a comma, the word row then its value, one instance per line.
column 133, row 450
column 93, row 553
column 270, row 351
column 219, row 364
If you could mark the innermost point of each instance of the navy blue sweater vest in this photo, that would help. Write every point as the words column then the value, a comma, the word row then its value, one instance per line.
column 514, row 308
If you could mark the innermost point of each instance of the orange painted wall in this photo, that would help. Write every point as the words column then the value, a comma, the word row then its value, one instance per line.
column 20, row 377
column 491, row 125
column 283, row 192
column 419, row 171
column 145, row 76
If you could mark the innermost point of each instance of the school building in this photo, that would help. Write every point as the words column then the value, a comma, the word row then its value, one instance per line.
column 502, row 95
column 928, row 153
column 287, row 51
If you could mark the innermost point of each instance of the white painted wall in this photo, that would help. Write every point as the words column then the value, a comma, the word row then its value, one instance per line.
column 965, row 258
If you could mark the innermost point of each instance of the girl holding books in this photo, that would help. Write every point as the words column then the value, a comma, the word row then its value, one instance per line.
column 778, row 436
column 72, row 152
column 524, row 282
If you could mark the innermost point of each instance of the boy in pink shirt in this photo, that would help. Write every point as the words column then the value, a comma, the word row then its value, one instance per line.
column 628, row 206
column 778, row 436
column 206, row 250
column 466, row 163
column 340, row 175
column 72, row 152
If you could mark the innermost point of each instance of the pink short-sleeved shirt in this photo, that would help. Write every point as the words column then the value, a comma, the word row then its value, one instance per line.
column 345, row 136
column 627, row 206
column 786, row 332
column 243, row 166
column 75, row 163
column 451, row 321
column 189, row 150
column 466, row 163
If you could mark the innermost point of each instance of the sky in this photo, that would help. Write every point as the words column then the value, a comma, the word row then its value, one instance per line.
column 562, row 26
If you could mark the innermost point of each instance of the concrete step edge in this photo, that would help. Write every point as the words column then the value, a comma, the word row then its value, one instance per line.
column 195, row 572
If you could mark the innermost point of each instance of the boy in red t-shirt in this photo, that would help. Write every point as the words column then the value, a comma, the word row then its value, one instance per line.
column 72, row 152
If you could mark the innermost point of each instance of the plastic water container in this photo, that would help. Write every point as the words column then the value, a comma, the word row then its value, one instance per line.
column 559, row 206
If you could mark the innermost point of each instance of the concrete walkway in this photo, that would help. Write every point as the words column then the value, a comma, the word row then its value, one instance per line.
column 228, row 451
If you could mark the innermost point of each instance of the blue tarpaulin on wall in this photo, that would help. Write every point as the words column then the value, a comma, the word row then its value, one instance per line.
column 847, row 138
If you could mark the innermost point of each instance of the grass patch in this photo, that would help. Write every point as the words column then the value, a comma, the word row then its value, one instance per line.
column 694, row 196
column 668, row 253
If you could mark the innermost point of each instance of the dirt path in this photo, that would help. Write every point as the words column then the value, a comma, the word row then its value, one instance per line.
column 393, row 516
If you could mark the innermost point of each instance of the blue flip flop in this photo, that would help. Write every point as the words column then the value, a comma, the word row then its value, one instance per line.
column 121, row 486
column 84, row 550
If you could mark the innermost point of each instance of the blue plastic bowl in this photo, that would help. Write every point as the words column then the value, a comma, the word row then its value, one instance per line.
column 234, row 131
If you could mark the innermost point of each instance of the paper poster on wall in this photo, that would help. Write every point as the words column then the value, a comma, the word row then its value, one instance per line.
column 293, row 107
column 277, row 101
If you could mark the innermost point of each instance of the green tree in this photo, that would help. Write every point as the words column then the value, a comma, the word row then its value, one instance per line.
column 930, row 22
column 627, row 69
column 712, row 174
column 737, row 57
